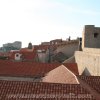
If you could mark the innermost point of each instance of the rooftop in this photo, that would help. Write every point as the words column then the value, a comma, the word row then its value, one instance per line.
column 93, row 81
column 60, row 75
column 30, row 69
column 11, row 90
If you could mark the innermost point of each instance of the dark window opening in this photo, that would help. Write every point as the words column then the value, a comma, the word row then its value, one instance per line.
column 17, row 55
column 95, row 35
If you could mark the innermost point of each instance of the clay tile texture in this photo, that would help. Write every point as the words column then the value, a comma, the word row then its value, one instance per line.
column 17, row 90
column 93, row 81
column 9, row 68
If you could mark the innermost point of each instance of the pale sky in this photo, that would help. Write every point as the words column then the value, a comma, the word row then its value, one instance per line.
column 37, row 21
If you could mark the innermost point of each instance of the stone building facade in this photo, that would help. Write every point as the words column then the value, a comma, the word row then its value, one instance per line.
column 88, row 60
column 91, row 37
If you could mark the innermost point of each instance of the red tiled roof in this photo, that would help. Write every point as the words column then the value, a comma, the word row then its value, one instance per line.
column 17, row 90
column 4, row 54
column 93, row 81
column 72, row 67
column 30, row 68
column 26, row 50
column 27, row 54
column 30, row 54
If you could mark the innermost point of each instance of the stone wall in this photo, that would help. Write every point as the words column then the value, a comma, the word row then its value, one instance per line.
column 92, row 50
column 68, row 49
column 88, row 61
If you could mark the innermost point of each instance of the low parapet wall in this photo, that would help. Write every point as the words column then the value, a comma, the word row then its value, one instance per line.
column 92, row 50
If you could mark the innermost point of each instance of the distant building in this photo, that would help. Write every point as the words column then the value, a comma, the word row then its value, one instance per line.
column 1, row 49
column 56, row 41
column 12, row 46
column 45, row 43
column 17, row 44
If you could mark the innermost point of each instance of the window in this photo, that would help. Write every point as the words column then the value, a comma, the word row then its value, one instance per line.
column 95, row 35
column 17, row 55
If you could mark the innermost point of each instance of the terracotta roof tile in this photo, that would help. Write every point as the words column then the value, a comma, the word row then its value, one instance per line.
column 93, row 81
column 17, row 90
column 72, row 67
column 26, row 50
column 23, row 68
column 9, row 68
column 27, row 54
column 30, row 54
column 5, row 54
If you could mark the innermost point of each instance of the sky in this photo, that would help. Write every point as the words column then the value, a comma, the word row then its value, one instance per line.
column 38, row 21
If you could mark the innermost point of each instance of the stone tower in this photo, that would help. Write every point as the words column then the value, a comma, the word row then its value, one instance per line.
column 91, row 37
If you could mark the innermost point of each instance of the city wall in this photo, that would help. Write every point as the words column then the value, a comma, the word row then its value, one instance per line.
column 88, row 61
